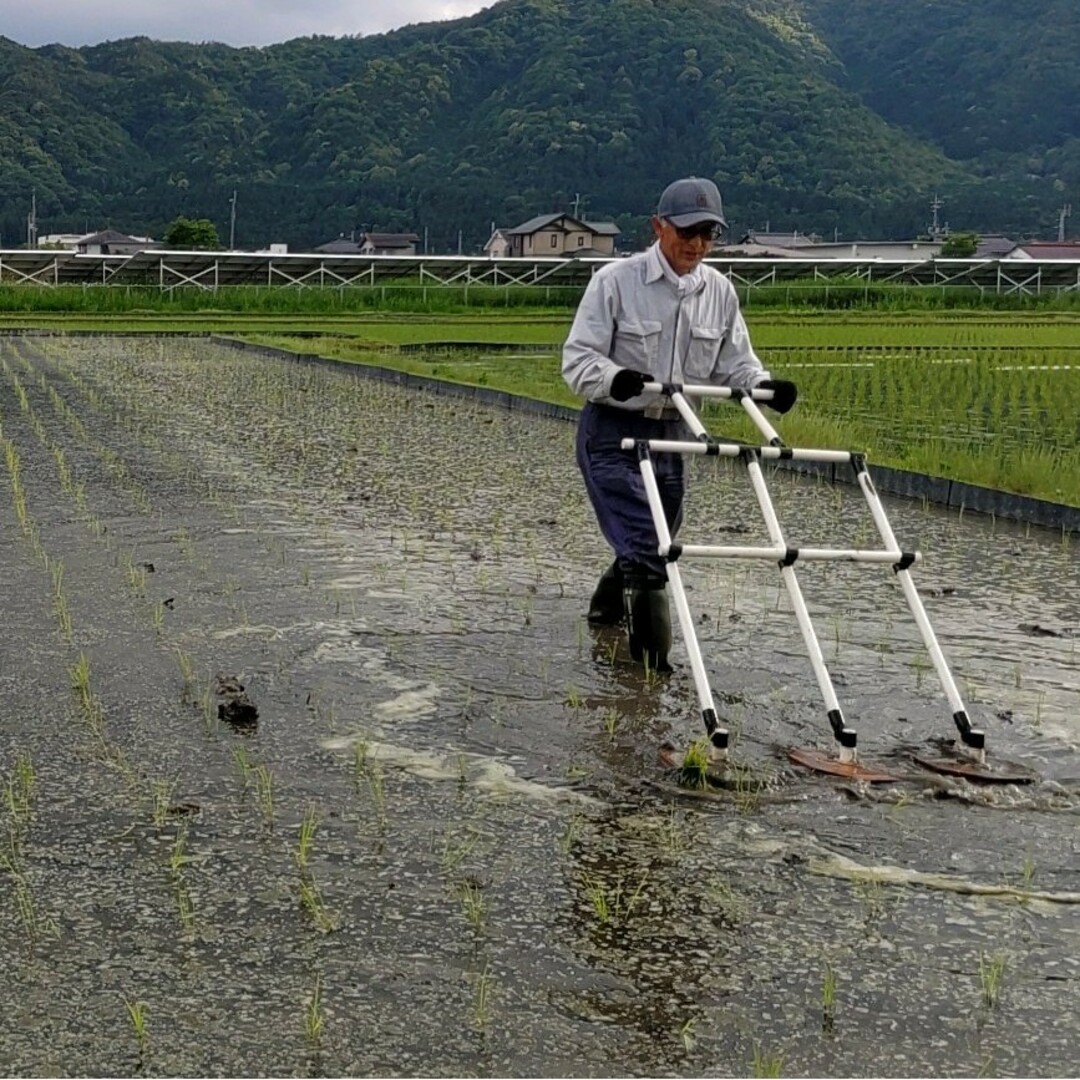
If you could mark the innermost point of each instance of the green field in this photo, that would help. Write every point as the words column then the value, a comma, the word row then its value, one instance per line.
column 990, row 399
column 984, row 395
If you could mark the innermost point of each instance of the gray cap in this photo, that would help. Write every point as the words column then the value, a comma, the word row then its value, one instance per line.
column 690, row 202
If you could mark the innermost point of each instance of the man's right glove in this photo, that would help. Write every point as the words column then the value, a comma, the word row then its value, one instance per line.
column 628, row 384
column 784, row 393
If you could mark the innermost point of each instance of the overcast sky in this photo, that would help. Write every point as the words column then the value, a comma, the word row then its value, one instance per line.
column 235, row 22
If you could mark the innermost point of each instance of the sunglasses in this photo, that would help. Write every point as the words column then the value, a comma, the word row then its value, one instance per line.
column 705, row 230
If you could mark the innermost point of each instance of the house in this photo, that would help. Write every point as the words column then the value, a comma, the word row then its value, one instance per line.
column 560, row 236
column 498, row 244
column 374, row 243
column 343, row 245
column 111, row 242
column 371, row 243
column 993, row 247
column 1046, row 249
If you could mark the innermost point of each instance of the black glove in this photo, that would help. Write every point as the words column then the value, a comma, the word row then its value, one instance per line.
column 628, row 384
column 784, row 394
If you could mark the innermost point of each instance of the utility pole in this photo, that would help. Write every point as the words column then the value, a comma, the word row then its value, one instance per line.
column 232, row 222
column 1063, row 213
column 577, row 206
column 31, row 221
column 935, row 225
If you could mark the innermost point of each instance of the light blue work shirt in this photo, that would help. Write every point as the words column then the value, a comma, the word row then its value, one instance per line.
column 638, row 313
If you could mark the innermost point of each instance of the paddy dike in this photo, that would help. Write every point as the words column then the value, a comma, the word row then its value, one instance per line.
column 501, row 879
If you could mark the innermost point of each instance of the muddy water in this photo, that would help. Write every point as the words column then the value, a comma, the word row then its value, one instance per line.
column 507, row 883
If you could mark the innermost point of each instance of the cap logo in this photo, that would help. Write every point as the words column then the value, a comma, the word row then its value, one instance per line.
column 702, row 200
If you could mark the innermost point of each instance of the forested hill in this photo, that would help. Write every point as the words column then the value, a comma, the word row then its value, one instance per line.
column 820, row 115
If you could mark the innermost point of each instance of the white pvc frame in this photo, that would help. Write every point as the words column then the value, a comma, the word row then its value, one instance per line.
column 972, row 739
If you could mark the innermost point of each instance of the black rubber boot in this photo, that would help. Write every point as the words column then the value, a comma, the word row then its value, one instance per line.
column 606, row 605
column 648, row 620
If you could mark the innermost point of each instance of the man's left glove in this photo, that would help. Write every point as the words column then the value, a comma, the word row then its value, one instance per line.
column 784, row 393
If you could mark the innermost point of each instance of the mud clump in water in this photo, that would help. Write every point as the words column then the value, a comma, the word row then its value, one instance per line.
column 235, row 707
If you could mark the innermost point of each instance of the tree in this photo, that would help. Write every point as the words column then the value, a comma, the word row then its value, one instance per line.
column 192, row 235
column 959, row 246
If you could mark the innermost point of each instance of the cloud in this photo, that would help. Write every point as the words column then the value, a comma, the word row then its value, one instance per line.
column 238, row 22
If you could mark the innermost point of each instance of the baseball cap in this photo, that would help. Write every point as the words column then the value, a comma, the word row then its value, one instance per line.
column 690, row 202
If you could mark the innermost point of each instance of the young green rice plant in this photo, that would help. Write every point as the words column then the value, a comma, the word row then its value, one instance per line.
column 157, row 616
column 308, row 827
column 991, row 977
column 612, row 905
column 456, row 850
column 89, row 705
column 185, row 906
column 244, row 767
column 378, row 791
column 161, row 792
column 139, row 1016
column 315, row 1018
column 611, row 722
column 473, row 904
column 37, row 926
column 187, row 674
column 485, row 985
column 694, row 770
column 572, row 833
column 686, row 1034
column 573, row 699
column 19, row 790
column 828, row 998
column 178, row 856
column 766, row 1063
column 732, row 907
column 264, row 793
column 312, row 902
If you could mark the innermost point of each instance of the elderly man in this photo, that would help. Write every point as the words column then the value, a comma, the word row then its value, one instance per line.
column 663, row 316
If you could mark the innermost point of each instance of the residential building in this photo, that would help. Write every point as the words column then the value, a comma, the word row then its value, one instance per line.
column 560, row 236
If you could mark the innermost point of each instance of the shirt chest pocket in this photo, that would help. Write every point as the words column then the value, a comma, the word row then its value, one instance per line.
column 637, row 346
column 702, row 354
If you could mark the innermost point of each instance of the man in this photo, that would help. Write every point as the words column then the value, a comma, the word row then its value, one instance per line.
column 657, row 316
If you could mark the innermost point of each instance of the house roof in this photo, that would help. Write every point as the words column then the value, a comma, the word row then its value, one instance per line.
column 993, row 247
column 341, row 246
column 111, row 236
column 380, row 239
column 545, row 221
column 1046, row 249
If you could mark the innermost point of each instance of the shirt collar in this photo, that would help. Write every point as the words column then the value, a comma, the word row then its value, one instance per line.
column 658, row 267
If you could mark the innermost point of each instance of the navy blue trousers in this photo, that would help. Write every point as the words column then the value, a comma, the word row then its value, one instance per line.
column 616, row 489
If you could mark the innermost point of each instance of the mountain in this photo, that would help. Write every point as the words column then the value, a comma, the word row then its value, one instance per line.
column 820, row 115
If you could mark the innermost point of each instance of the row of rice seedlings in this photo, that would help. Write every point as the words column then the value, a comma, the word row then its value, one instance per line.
column 20, row 796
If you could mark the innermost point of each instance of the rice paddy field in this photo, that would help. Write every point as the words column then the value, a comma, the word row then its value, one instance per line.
column 989, row 399
column 311, row 765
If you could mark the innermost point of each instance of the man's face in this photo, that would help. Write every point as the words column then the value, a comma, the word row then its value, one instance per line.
column 684, row 248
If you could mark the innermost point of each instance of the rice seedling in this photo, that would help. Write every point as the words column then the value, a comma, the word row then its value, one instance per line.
column 312, row 902
column 991, row 977
column 161, row 792
column 611, row 722
column 732, row 907
column 20, row 788
column 828, row 998
column 187, row 674
column 686, row 1034
column 694, row 770
column 378, row 791
column 473, row 904
column 612, row 905
column 308, row 827
column 456, row 851
column 264, row 793
column 766, row 1063
column 315, row 1018
column 139, row 1016
column 185, row 905
column 178, row 856
column 37, row 926
column 485, row 986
